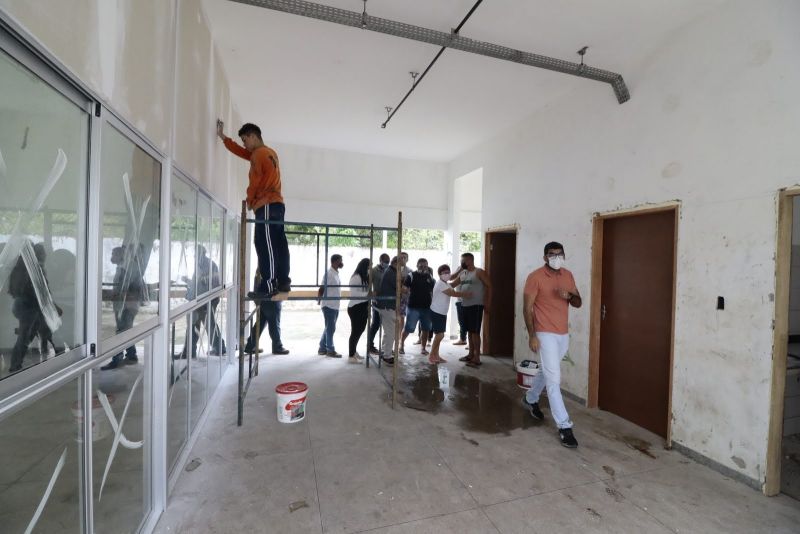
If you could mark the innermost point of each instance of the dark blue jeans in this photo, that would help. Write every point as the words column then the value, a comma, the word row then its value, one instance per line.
column 270, row 317
column 462, row 326
column 271, row 247
column 326, row 341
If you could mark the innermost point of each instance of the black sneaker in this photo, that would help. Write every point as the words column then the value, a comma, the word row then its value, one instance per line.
column 251, row 349
column 131, row 360
column 280, row 351
column 388, row 361
column 113, row 364
column 322, row 352
column 333, row 354
column 567, row 438
column 374, row 351
column 534, row 410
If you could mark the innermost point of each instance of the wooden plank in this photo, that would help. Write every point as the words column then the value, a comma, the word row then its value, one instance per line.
column 594, row 313
column 772, row 484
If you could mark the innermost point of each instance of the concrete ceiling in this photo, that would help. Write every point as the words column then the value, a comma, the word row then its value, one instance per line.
column 316, row 83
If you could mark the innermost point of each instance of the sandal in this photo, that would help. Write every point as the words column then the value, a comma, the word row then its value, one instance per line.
column 465, row 359
column 473, row 364
column 424, row 352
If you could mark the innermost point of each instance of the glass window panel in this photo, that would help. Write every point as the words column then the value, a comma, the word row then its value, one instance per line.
column 231, row 244
column 119, row 468
column 183, row 236
column 130, row 200
column 43, row 168
column 43, row 443
column 203, row 245
column 215, row 251
column 217, row 350
column 199, row 363
column 178, row 400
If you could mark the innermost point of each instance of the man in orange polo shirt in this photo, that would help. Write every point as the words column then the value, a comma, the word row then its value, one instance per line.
column 265, row 199
column 549, row 291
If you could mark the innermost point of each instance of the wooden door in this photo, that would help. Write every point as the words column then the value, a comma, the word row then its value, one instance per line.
column 636, row 318
column 501, row 266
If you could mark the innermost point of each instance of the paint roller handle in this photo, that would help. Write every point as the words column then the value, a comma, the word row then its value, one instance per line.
column 220, row 129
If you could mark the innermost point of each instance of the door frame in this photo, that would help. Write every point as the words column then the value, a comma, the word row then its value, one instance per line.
column 780, row 339
column 596, row 298
column 487, row 261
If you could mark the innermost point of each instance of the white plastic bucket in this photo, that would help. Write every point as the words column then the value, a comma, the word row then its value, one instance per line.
column 291, row 401
column 526, row 371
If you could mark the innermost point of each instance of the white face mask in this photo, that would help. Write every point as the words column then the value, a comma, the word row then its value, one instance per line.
column 444, row 277
column 555, row 263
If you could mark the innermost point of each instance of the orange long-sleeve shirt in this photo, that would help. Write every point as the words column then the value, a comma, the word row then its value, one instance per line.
column 265, row 174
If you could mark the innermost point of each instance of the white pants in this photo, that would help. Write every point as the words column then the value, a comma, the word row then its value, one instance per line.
column 552, row 347
column 389, row 323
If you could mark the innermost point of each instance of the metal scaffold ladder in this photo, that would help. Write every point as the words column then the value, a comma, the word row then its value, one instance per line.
column 249, row 361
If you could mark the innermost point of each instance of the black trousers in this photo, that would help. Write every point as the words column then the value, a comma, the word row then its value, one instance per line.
column 462, row 325
column 272, row 247
column 358, row 322
column 374, row 327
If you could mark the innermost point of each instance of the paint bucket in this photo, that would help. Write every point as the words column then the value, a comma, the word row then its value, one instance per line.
column 101, row 427
column 291, row 401
column 526, row 371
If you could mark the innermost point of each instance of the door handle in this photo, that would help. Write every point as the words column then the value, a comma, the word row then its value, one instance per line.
column 602, row 312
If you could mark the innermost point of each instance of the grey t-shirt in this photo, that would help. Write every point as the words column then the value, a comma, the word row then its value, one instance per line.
column 471, row 283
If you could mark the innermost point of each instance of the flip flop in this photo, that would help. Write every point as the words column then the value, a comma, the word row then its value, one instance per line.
column 424, row 352
column 473, row 364
column 465, row 359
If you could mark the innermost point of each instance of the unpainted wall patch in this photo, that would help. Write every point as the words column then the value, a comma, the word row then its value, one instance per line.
column 671, row 103
column 671, row 170
column 760, row 52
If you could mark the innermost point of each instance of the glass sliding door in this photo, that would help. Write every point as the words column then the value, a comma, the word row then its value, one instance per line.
column 44, row 158
column 120, row 454
column 183, row 237
column 42, row 445
column 130, row 203
column 178, row 395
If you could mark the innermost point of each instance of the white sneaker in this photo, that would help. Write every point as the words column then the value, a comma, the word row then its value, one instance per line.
column 354, row 359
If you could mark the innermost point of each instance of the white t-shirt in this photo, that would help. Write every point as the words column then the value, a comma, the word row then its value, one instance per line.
column 441, row 302
column 332, row 278
column 360, row 291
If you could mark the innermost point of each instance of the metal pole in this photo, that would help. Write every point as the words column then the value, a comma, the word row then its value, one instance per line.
column 369, row 294
column 242, row 293
column 432, row 63
column 317, row 269
column 258, row 334
column 397, row 308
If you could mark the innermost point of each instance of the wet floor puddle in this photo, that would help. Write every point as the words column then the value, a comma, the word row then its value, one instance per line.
column 484, row 405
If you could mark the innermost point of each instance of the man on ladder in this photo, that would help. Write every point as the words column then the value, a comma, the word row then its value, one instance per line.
column 265, row 199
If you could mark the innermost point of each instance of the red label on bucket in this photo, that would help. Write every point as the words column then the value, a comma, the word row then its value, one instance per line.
column 294, row 403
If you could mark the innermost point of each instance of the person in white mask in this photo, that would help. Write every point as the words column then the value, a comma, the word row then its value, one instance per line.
column 440, row 306
column 549, row 292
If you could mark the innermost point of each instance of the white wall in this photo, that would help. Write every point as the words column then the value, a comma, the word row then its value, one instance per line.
column 712, row 122
column 125, row 52
column 333, row 186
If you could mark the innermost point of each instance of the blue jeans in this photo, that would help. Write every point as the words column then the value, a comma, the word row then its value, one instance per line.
column 326, row 341
column 271, row 318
